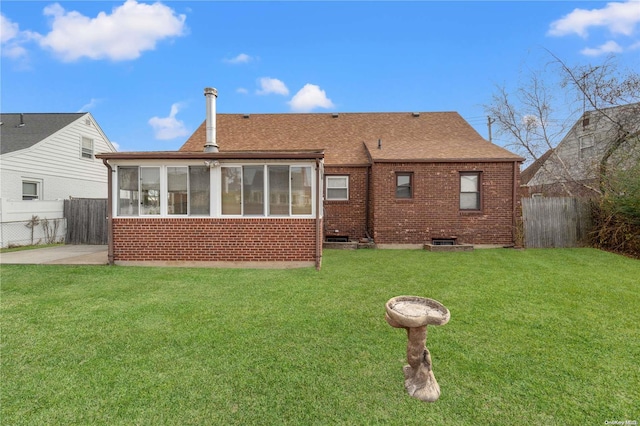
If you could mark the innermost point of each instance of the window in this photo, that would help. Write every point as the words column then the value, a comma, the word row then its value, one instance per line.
column 199, row 191
column 128, row 191
column 469, row 191
column 231, row 190
column 404, row 185
column 177, row 182
column 30, row 190
column 587, row 144
column 86, row 150
column 150, row 190
column 337, row 188
column 241, row 190
column 253, row 190
column 300, row 190
column 188, row 190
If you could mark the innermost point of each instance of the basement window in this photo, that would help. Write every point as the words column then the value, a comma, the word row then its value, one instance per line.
column 443, row 241
column 337, row 239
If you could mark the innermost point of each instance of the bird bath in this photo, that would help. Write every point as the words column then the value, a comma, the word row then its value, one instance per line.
column 414, row 313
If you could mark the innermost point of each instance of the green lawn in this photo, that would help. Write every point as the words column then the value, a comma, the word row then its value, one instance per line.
column 535, row 337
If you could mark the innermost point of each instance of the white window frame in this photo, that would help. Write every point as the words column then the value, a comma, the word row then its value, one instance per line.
column 86, row 153
column 215, row 179
column 329, row 178
column 38, row 194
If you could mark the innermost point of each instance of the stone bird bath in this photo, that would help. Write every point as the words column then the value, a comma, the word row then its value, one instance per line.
column 414, row 313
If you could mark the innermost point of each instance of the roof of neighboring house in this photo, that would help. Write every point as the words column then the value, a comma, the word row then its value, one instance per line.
column 37, row 126
column 352, row 138
column 529, row 172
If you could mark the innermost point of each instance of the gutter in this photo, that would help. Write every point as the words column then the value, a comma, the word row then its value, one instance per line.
column 318, row 226
column 514, row 212
column 109, row 211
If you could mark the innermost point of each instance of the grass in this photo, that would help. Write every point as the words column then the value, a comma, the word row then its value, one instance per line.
column 28, row 247
column 535, row 337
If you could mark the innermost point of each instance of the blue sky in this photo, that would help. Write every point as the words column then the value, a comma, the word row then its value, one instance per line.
column 140, row 67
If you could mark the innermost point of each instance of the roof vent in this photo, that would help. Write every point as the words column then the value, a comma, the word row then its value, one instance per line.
column 21, row 120
column 246, row 116
column 416, row 114
column 335, row 115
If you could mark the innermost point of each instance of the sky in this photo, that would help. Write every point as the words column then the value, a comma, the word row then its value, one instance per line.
column 140, row 68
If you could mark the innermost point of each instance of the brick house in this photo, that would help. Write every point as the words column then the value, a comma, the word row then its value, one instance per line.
column 297, row 180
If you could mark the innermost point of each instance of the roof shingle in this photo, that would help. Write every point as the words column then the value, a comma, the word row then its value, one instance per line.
column 346, row 137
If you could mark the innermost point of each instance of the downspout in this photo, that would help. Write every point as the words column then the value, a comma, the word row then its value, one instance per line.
column 514, row 220
column 367, row 200
column 109, row 211
column 318, row 227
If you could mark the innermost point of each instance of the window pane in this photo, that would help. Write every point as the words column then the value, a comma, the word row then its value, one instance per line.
column 336, row 182
column 87, row 148
column 128, row 198
column 177, row 190
column 301, row 190
column 336, row 194
column 199, row 190
column 337, row 187
column 150, row 188
column 29, row 190
column 278, row 190
column 468, row 183
column 231, row 190
column 403, row 186
column 253, row 190
column 470, row 201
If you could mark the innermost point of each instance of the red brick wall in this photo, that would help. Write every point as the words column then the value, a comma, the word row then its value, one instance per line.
column 434, row 211
column 347, row 217
column 214, row 239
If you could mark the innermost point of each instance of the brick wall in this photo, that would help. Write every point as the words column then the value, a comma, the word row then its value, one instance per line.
column 434, row 211
column 214, row 239
column 348, row 218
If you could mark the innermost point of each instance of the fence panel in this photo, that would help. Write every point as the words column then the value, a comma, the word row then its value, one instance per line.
column 86, row 221
column 555, row 222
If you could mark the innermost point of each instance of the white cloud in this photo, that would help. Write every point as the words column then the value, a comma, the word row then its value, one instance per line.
column 309, row 98
column 270, row 85
column 242, row 58
column 129, row 30
column 608, row 47
column 116, row 145
column 170, row 127
column 242, row 90
column 88, row 106
column 12, row 39
column 618, row 18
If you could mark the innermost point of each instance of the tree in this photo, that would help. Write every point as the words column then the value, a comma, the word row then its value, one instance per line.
column 527, row 118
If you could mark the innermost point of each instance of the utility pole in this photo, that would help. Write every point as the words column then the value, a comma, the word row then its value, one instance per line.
column 490, row 121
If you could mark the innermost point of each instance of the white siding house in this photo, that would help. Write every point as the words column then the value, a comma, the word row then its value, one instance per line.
column 47, row 158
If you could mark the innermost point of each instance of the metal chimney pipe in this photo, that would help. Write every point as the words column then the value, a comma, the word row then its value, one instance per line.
column 211, row 94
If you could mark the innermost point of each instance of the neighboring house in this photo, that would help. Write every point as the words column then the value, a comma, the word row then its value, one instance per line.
column 46, row 158
column 572, row 168
column 277, row 185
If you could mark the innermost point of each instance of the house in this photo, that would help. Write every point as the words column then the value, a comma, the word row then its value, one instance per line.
column 46, row 158
column 274, row 187
column 572, row 168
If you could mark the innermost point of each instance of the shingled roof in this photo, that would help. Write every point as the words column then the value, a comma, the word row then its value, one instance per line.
column 352, row 138
column 36, row 127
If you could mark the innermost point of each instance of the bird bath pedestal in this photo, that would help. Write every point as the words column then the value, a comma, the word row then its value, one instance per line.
column 414, row 313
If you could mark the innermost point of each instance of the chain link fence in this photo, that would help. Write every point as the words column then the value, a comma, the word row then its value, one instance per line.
column 32, row 232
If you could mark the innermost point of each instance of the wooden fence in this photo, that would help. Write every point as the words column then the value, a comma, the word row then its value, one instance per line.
column 555, row 222
column 86, row 221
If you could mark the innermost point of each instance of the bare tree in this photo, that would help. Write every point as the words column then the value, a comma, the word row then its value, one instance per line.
column 529, row 118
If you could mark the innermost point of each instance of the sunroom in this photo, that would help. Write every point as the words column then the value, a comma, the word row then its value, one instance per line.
column 257, row 209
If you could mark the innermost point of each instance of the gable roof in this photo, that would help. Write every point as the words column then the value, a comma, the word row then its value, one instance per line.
column 352, row 138
column 37, row 126
column 527, row 174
